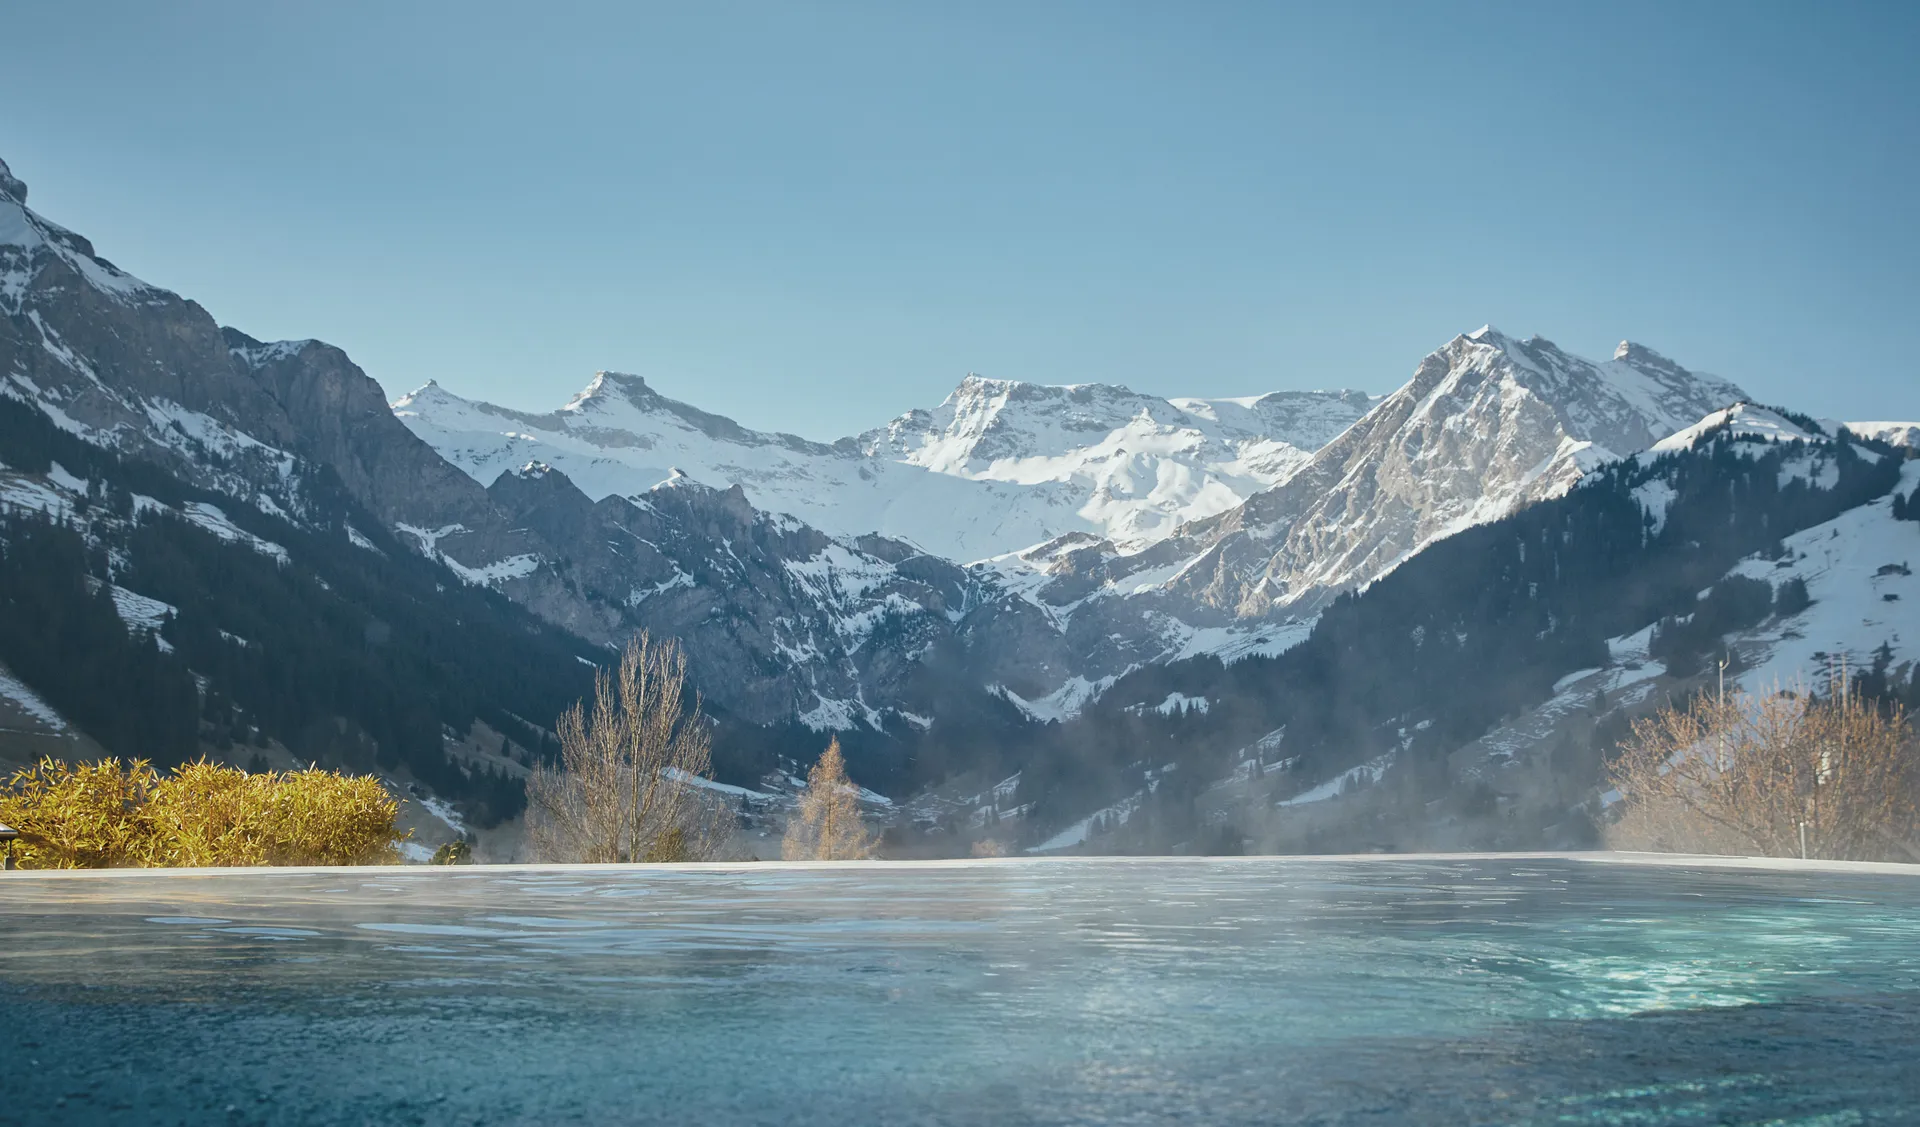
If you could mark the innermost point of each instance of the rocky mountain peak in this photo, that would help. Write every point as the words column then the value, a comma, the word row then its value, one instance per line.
column 429, row 396
column 1645, row 360
column 12, row 186
column 1487, row 424
column 615, row 386
column 973, row 383
column 538, row 487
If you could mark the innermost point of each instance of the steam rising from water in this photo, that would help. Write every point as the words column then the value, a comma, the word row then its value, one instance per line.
column 1070, row 991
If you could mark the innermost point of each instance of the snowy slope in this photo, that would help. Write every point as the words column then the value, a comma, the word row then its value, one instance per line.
column 1743, row 421
column 998, row 467
column 1143, row 465
column 1858, row 570
column 1899, row 434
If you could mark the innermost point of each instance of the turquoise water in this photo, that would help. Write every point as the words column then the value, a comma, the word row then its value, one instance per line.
column 1388, row 991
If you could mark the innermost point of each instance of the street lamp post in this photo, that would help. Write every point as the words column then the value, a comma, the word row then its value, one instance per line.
column 8, row 834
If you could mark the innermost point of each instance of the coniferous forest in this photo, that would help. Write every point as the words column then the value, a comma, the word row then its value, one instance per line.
column 371, row 659
column 351, row 658
column 1468, row 632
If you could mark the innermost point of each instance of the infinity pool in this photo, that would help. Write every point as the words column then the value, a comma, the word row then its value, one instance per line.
column 1337, row 991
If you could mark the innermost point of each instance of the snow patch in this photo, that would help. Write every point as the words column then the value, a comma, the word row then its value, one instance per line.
column 1176, row 704
column 214, row 520
column 1369, row 771
column 28, row 701
column 140, row 612
column 495, row 573
column 1061, row 704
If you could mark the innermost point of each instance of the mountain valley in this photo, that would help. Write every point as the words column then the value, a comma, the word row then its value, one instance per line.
column 1044, row 613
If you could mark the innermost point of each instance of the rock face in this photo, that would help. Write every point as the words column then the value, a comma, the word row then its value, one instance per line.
column 125, row 363
column 133, row 366
column 1487, row 424
column 796, row 622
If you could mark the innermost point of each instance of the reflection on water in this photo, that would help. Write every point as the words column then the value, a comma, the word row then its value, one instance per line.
column 1523, row 990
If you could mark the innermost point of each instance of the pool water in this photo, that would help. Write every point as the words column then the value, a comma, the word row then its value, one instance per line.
column 1328, row 991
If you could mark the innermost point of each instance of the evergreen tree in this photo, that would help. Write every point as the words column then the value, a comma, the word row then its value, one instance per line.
column 1907, row 507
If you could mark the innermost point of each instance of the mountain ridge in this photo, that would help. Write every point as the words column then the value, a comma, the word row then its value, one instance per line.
column 618, row 436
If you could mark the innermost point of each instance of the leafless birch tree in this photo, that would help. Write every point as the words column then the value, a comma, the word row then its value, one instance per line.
column 1772, row 775
column 627, row 784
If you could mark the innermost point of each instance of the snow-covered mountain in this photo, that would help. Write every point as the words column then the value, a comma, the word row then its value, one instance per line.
column 619, row 437
column 999, row 466
column 1116, row 529
column 1860, row 612
column 781, row 620
column 1486, row 424
column 1140, row 466
column 1900, row 434
column 1470, row 699
column 1119, row 529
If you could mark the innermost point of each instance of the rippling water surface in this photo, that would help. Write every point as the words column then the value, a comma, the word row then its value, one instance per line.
column 1513, row 990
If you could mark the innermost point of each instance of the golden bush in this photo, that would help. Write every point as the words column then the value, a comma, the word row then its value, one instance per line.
column 203, row 814
column 87, row 816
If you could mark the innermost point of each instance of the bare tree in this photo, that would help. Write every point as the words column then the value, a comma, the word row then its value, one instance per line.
column 627, row 787
column 827, row 826
column 1780, row 775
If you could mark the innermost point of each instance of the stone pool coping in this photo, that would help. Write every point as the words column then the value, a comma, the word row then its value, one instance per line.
column 1594, row 857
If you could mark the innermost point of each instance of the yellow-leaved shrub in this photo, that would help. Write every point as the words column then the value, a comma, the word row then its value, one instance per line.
column 86, row 816
column 203, row 814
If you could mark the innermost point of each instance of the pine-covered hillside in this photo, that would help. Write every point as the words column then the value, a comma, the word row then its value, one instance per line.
column 1458, row 642
column 166, row 621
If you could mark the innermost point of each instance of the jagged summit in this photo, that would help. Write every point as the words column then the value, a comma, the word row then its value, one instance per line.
column 609, row 386
column 998, row 466
column 974, row 384
column 12, row 186
column 1485, row 425
column 36, row 253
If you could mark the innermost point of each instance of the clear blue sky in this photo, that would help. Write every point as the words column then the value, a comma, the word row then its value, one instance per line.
column 814, row 216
